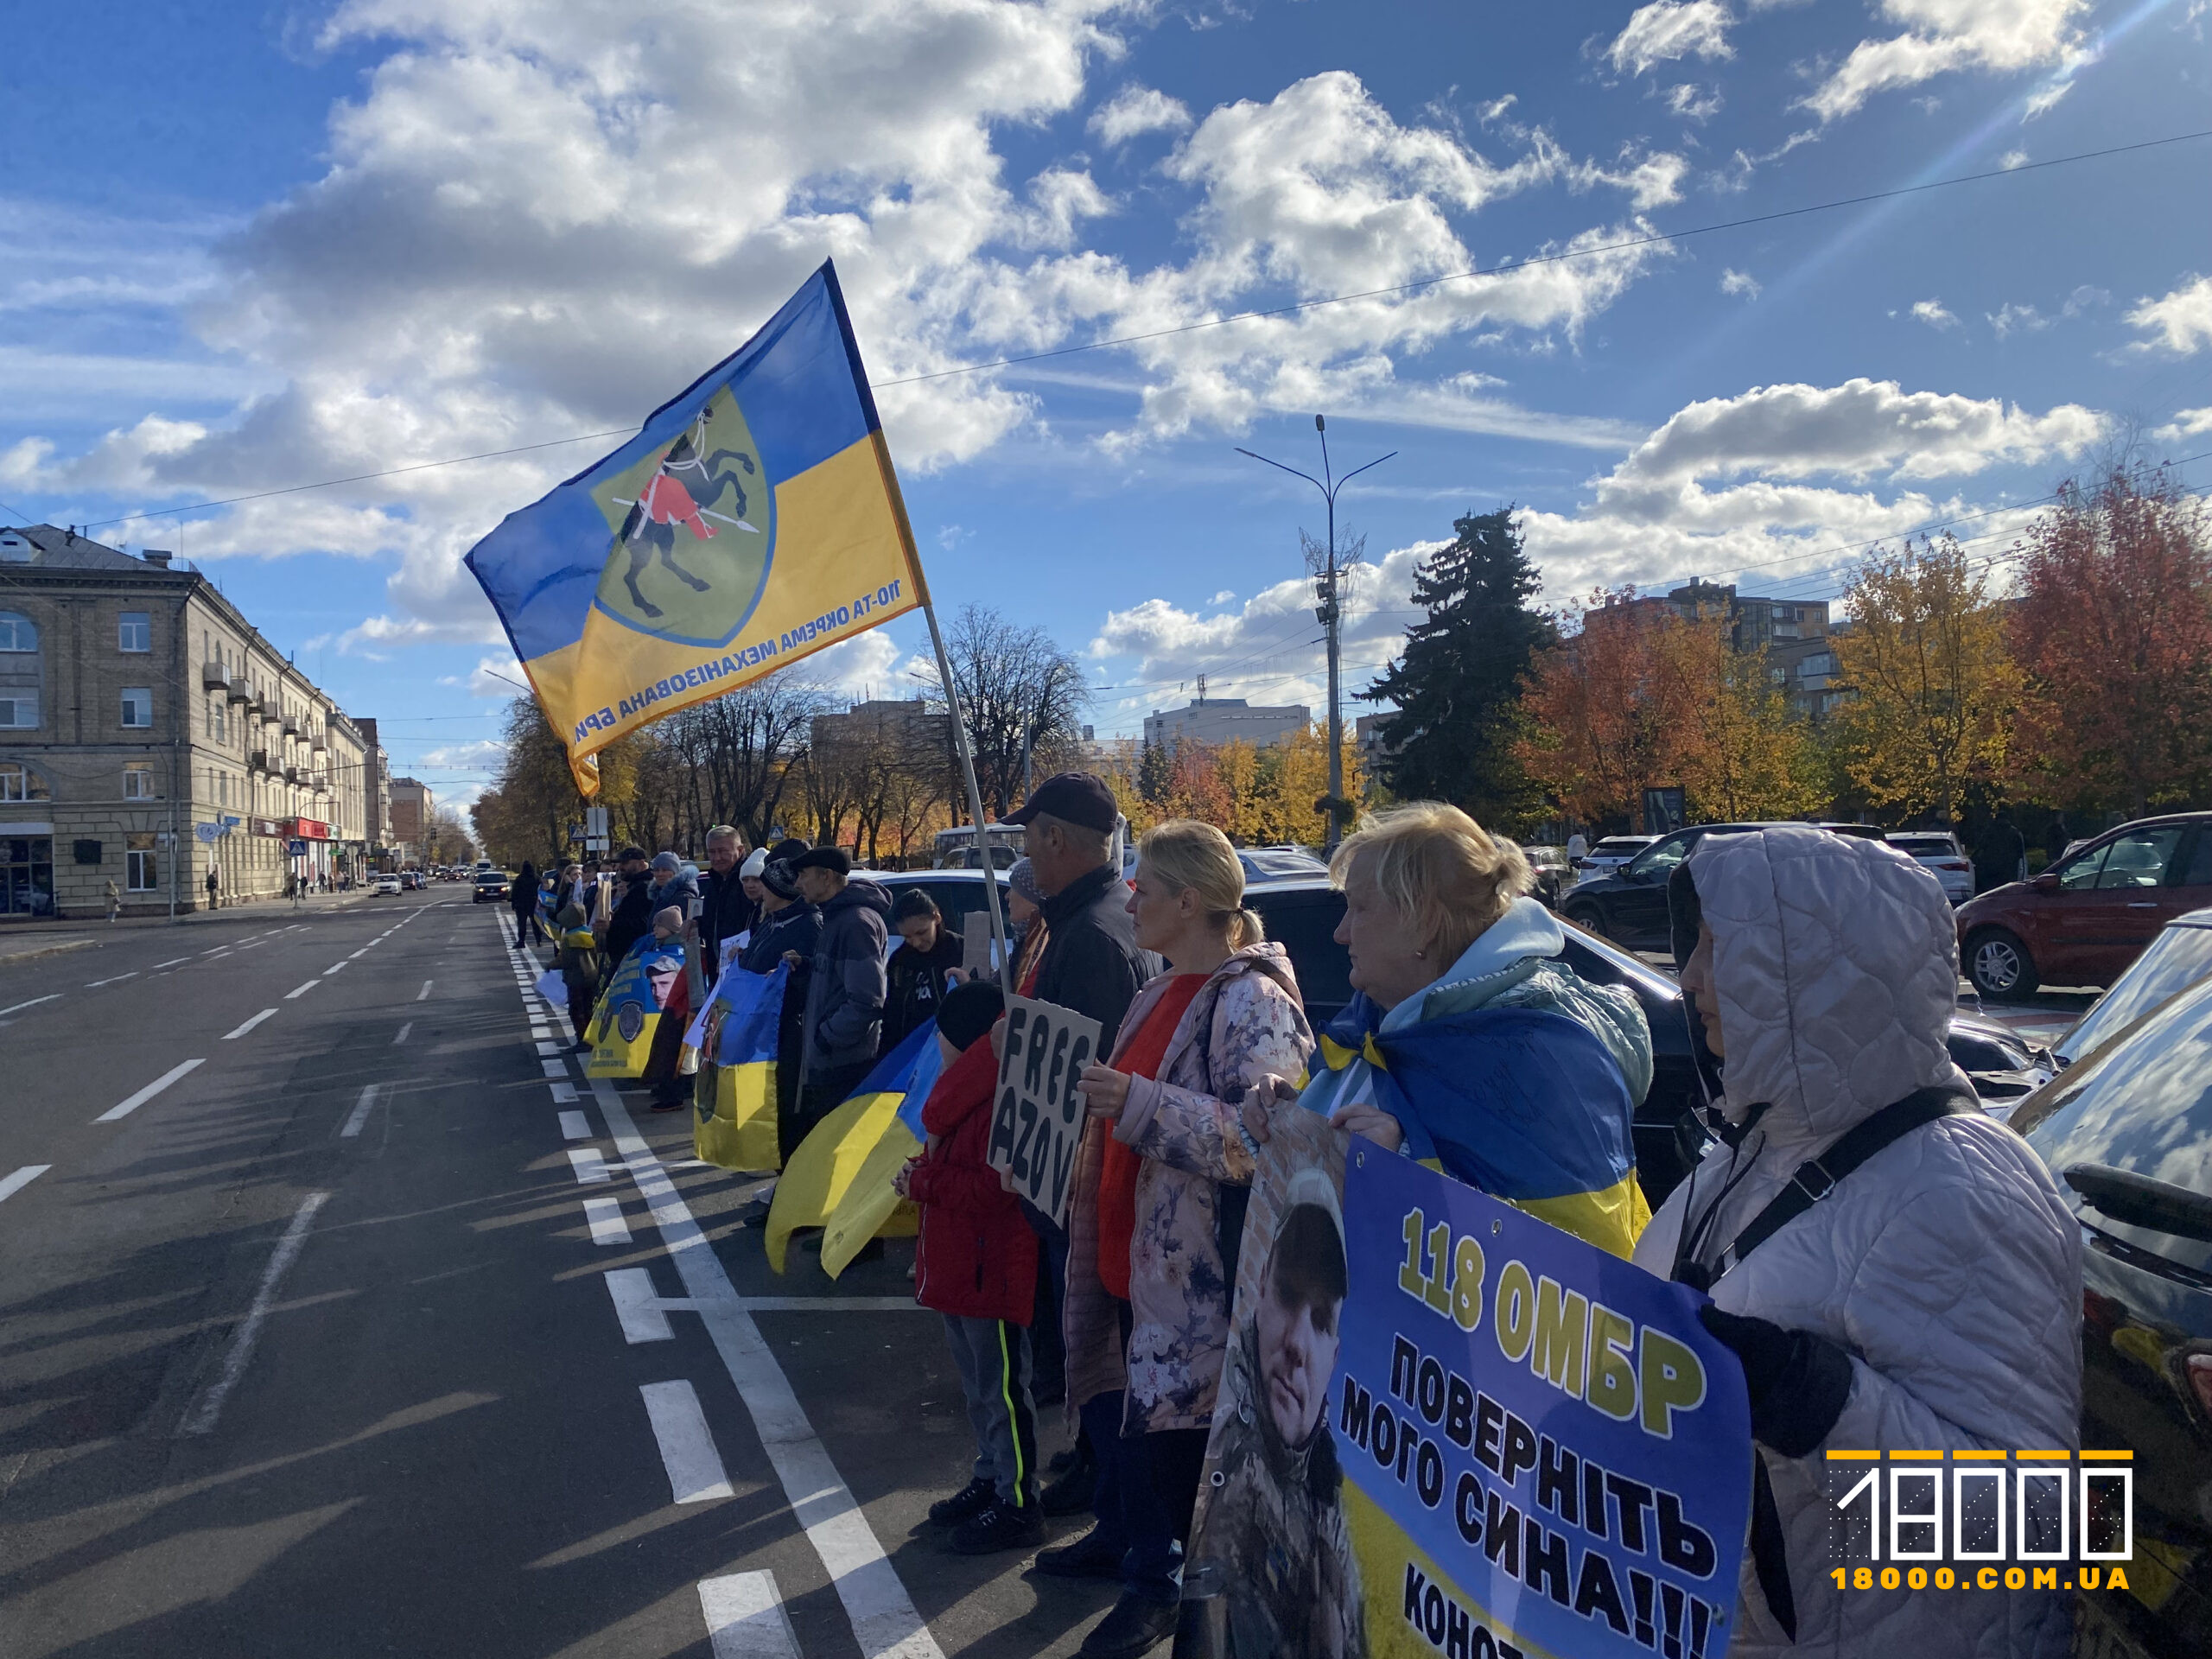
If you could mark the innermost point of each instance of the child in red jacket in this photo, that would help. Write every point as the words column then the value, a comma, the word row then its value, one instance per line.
column 976, row 1262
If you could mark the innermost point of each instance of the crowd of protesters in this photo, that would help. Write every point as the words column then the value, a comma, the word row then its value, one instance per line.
column 1819, row 975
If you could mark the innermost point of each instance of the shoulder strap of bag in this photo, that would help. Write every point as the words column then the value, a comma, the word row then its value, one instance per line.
column 1818, row 1177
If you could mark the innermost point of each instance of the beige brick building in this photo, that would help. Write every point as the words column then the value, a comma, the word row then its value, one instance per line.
column 412, row 805
column 150, row 737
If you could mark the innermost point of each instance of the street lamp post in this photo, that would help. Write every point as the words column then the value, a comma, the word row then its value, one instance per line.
column 1330, row 612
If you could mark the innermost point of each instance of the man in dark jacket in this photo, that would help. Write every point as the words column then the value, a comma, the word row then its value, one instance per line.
column 634, row 916
column 928, row 949
column 522, row 900
column 726, row 912
column 787, row 925
column 845, row 981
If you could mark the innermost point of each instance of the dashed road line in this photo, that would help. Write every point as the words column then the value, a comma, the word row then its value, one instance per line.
column 332, row 968
column 232, row 1036
column 607, row 1226
column 201, row 1418
column 303, row 989
column 402, row 1036
column 93, row 985
column 590, row 1166
column 424, row 993
column 171, row 963
column 575, row 1127
column 687, row 1445
column 746, row 1617
column 52, row 996
column 11, row 1185
column 125, row 1108
column 360, row 1113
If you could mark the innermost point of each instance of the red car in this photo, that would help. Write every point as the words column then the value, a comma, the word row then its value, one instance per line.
column 2081, row 921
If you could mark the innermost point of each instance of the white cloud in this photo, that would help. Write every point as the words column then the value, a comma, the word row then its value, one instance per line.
column 1137, row 109
column 2009, row 319
column 2013, row 158
column 1741, row 283
column 1692, row 102
column 1944, row 36
column 2180, row 322
column 2186, row 423
column 1932, row 313
column 1668, row 30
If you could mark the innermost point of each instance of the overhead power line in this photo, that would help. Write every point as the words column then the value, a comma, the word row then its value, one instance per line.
column 1505, row 269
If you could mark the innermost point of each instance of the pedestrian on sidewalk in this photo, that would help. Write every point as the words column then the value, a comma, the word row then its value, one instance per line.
column 975, row 1262
column 916, row 977
column 575, row 953
column 845, row 981
column 726, row 909
column 523, row 899
column 213, row 901
column 114, row 900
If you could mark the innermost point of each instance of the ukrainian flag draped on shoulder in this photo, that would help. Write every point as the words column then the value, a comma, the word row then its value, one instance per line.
column 1526, row 1104
column 734, row 1094
column 754, row 519
column 839, row 1178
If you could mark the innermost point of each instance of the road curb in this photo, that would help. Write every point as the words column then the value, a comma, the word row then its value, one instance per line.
column 11, row 957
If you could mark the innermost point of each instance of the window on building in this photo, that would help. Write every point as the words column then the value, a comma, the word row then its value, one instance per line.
column 135, row 631
column 137, row 706
column 1821, row 662
column 20, row 783
column 138, row 781
column 18, row 710
column 17, row 632
column 142, row 863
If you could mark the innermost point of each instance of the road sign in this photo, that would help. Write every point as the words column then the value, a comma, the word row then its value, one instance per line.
column 230, row 822
column 296, row 847
column 595, row 825
column 576, row 832
column 208, row 831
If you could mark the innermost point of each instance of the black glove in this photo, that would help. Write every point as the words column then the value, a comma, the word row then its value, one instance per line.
column 1797, row 1381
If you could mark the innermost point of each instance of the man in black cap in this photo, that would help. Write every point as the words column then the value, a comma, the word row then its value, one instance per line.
column 845, row 983
column 633, row 912
column 788, row 926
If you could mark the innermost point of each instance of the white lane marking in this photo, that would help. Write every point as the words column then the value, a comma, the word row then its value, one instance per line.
column 11, row 1185
column 885, row 1621
column 575, row 1127
column 590, row 1166
column 252, row 944
column 201, row 1418
column 607, row 1226
column 93, row 985
column 332, row 968
column 746, row 1617
column 358, row 954
column 125, row 1108
column 424, row 992
column 171, row 963
column 360, row 1113
column 232, row 1036
column 50, row 997
column 215, row 955
column 638, row 1307
column 548, row 1051
column 833, row 1305
column 687, row 1445
column 402, row 1036
column 216, row 950
column 564, row 1093
column 303, row 989
column 555, row 1068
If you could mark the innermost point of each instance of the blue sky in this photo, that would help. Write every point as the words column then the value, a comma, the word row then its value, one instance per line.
column 253, row 248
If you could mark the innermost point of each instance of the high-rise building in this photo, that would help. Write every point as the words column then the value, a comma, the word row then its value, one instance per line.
column 411, row 807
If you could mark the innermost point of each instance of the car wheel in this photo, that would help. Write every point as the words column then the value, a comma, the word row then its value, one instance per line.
column 1589, row 919
column 1999, row 965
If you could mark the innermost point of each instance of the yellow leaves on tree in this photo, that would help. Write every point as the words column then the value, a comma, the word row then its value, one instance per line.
column 1933, row 688
column 1254, row 796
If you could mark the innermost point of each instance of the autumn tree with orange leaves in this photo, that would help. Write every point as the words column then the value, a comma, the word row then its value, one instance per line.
column 2113, row 633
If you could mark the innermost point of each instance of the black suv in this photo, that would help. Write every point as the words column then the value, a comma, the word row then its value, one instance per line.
column 1629, row 906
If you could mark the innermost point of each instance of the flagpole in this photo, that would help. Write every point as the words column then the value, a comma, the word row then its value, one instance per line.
column 959, row 721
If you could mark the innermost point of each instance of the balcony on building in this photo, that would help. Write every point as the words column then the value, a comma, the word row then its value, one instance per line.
column 258, row 759
column 213, row 676
column 291, row 726
column 242, row 690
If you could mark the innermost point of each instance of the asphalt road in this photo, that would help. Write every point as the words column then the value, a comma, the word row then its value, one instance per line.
column 334, row 1321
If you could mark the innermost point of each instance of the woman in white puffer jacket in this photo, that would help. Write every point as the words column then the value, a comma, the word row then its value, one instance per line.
column 1932, row 1299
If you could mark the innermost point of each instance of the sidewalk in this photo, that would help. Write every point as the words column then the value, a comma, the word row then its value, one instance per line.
column 23, row 941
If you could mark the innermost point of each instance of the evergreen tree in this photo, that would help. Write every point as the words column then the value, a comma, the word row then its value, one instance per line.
column 1457, row 685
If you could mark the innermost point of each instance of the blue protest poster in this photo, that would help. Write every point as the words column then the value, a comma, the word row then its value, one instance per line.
column 1543, row 1451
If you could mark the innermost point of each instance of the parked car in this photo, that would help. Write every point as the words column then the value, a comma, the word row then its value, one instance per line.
column 1554, row 875
column 957, row 893
column 1610, row 855
column 2128, row 1133
column 1629, row 906
column 1670, row 1137
column 2177, row 959
column 1941, row 853
column 1271, row 863
column 2081, row 921
column 491, row 884
column 387, row 884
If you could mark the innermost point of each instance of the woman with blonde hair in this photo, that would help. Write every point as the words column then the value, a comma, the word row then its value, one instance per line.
column 1147, row 1314
column 1468, row 1043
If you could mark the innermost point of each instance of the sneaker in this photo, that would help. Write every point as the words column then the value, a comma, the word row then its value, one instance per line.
column 1134, row 1627
column 1003, row 1526
column 1091, row 1556
column 965, row 1504
column 1070, row 1492
column 755, row 1214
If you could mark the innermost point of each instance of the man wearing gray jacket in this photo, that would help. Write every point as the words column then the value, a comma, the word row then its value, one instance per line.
column 845, row 981
column 1896, row 1271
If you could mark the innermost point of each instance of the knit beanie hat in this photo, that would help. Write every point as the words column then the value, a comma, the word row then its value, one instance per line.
column 969, row 1011
column 778, row 876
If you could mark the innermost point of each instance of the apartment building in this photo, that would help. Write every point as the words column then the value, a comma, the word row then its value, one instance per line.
column 412, row 805
column 150, row 737
column 1223, row 720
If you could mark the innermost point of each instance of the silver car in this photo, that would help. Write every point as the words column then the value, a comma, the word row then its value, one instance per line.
column 1941, row 853
column 1610, row 855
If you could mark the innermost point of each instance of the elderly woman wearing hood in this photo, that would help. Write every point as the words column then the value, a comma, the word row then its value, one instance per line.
column 1930, row 1297
column 1468, row 1044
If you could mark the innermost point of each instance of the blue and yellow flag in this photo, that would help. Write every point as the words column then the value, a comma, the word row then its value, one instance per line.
column 1528, row 1105
column 734, row 1093
column 839, row 1178
column 629, row 1012
column 754, row 519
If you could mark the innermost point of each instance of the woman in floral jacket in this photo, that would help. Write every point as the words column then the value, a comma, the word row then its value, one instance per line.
column 1146, row 1315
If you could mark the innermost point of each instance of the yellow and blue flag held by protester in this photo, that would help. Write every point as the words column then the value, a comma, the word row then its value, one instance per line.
column 1525, row 1104
column 631, row 1009
column 754, row 519
column 839, row 1178
column 734, row 1096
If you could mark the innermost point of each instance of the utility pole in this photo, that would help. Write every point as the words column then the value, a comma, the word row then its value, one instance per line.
column 1329, row 612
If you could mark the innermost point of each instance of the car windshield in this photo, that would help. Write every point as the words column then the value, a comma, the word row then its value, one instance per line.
column 1658, row 862
column 1619, row 847
column 1925, row 846
column 2177, row 958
